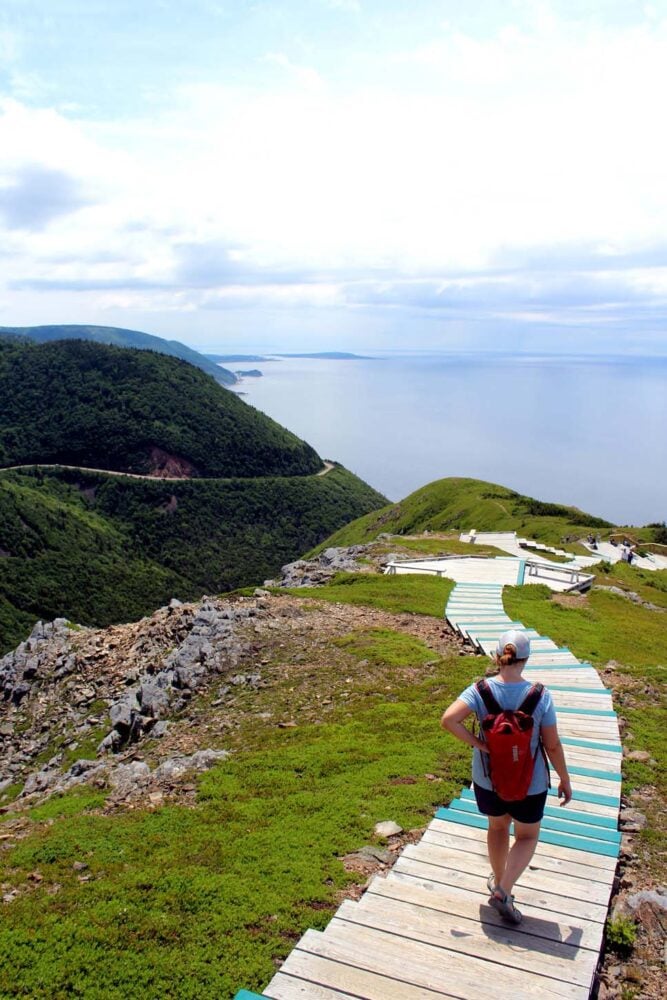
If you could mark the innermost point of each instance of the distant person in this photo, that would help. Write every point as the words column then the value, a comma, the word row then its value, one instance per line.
column 491, row 772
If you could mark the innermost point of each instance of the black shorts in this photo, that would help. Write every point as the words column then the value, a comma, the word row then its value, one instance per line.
column 528, row 810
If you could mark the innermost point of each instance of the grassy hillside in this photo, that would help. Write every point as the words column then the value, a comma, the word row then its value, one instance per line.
column 79, row 403
column 224, row 887
column 100, row 549
column 122, row 338
column 461, row 504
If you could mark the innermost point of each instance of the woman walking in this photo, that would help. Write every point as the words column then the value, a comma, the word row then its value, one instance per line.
column 509, row 690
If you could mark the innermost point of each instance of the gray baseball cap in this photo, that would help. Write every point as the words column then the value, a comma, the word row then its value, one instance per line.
column 516, row 638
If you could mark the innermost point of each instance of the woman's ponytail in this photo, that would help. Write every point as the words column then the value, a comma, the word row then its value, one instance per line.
column 508, row 656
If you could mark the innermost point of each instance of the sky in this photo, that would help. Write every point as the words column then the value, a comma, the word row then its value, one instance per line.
column 338, row 174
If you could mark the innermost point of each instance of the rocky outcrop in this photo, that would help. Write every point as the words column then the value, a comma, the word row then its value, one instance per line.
column 74, row 692
column 315, row 572
column 210, row 647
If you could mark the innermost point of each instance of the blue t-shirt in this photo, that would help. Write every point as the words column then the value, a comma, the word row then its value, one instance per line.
column 510, row 696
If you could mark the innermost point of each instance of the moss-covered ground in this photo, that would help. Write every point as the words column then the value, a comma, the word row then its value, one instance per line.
column 627, row 642
column 200, row 901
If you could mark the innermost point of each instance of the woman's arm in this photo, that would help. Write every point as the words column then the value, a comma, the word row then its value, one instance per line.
column 555, row 753
column 452, row 721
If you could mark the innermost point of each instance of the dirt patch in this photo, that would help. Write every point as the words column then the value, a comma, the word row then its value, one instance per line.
column 162, row 465
column 570, row 600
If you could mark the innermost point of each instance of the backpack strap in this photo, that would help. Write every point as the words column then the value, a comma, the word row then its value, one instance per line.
column 530, row 702
column 487, row 696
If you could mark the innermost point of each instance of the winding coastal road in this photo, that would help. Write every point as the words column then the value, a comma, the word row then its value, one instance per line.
column 327, row 467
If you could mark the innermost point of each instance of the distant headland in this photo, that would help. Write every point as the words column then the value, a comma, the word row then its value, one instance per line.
column 322, row 355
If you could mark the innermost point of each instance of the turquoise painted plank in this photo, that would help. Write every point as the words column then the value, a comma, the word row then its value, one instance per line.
column 581, row 690
column 477, row 614
column 246, row 995
column 593, row 797
column 586, row 711
column 521, row 574
column 610, row 822
column 586, row 772
column 555, row 666
column 476, row 609
column 579, row 843
column 556, row 821
column 546, row 836
column 490, row 629
column 571, row 741
column 480, row 621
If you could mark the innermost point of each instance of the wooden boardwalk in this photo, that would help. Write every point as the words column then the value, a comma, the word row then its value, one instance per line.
column 425, row 930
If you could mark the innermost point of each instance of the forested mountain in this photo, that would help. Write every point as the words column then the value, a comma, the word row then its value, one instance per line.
column 99, row 549
column 79, row 403
column 122, row 338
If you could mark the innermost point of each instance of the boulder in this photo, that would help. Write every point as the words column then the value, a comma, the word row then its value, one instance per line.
column 387, row 829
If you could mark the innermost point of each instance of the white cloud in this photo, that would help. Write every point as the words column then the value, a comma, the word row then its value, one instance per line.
column 454, row 156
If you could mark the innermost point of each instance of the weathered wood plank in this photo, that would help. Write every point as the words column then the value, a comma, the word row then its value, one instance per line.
column 543, row 874
column 471, row 874
column 284, row 987
column 312, row 977
column 465, row 836
column 494, row 943
column 434, row 967
column 473, row 905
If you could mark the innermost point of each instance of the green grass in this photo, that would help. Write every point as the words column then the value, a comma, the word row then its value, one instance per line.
column 462, row 504
column 607, row 627
column 384, row 646
column 401, row 593
column 610, row 627
column 222, row 891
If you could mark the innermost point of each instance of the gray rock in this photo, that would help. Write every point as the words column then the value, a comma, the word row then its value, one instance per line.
column 632, row 820
column 128, row 778
column 40, row 781
column 657, row 899
column 154, row 700
column 387, row 829
column 111, row 742
column 82, row 766
column 176, row 767
column 20, row 692
column 376, row 854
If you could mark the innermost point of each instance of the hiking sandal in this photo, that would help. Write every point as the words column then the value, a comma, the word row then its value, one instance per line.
column 491, row 884
column 504, row 904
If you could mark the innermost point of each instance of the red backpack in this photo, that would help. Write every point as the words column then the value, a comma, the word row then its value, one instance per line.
column 507, row 734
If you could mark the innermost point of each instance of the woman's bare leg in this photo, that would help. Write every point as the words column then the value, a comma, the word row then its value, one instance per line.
column 498, row 843
column 520, row 854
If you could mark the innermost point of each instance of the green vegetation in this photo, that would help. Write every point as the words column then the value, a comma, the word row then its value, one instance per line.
column 402, row 593
column 223, row 890
column 604, row 627
column 121, row 338
column 101, row 549
column 462, row 504
column 621, row 935
column 84, row 404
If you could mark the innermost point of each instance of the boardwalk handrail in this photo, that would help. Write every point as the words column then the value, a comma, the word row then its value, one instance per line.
column 558, row 571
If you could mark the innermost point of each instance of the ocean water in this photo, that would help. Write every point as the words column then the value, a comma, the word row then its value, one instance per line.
column 580, row 431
